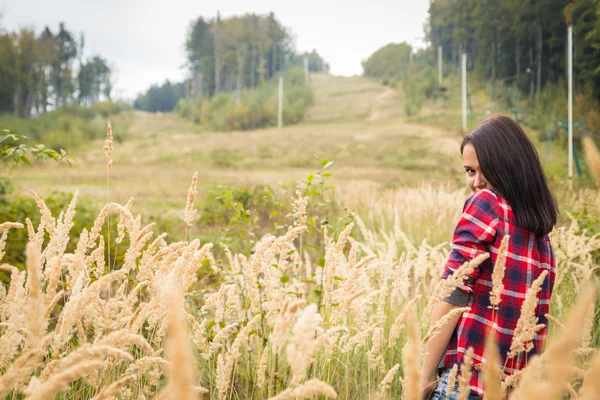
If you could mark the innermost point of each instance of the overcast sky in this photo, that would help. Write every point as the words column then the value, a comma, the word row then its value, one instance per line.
column 144, row 39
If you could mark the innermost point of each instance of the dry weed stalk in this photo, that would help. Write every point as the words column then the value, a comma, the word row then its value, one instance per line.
column 437, row 328
column 113, row 389
column 385, row 383
column 466, row 371
column 461, row 274
column 592, row 156
column 492, row 374
column 527, row 325
column 498, row 273
column 411, row 359
column 308, row 389
column 60, row 380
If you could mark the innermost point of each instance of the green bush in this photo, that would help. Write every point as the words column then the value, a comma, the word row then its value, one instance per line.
column 257, row 109
column 419, row 85
column 71, row 126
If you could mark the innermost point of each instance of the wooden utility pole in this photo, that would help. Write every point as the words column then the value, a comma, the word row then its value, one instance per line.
column 464, row 92
column 280, row 105
column 570, row 94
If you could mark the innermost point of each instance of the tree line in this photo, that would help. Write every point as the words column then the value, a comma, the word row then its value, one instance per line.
column 46, row 71
column 523, row 42
column 228, row 55
column 240, row 52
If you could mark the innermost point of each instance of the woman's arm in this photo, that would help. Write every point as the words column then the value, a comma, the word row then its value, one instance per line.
column 435, row 348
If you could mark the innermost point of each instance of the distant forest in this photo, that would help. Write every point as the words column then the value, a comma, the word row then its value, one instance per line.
column 229, row 55
column 523, row 42
column 46, row 71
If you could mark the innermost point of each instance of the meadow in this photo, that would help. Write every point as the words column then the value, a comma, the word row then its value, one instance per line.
column 326, row 294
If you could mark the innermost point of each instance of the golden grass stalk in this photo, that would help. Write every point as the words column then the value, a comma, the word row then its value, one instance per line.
column 262, row 368
column 591, row 384
column 301, row 351
column 113, row 389
column 235, row 350
column 190, row 213
column 492, row 375
column 308, row 389
column 466, row 371
column 22, row 368
column 554, row 320
column 461, row 274
column 401, row 320
column 374, row 356
column 588, row 326
column 10, row 225
column 83, row 353
column 48, row 220
column 411, row 359
column 498, row 273
column 60, row 381
column 527, row 325
column 35, row 309
column 299, row 209
column 592, row 157
column 3, row 243
column 560, row 352
column 437, row 328
column 95, row 232
column 452, row 379
column 181, row 386
column 125, row 338
column 108, row 143
column 385, row 383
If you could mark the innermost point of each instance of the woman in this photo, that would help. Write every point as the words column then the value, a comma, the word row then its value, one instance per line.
column 510, row 197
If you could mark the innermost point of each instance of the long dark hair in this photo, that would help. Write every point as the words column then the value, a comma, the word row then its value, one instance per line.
column 512, row 167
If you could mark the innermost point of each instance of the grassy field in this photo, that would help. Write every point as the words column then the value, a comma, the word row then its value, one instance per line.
column 315, row 307
column 355, row 122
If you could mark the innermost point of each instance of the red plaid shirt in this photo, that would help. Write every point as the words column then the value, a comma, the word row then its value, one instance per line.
column 486, row 218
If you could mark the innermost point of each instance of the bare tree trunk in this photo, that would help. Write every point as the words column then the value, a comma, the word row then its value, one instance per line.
column 218, row 60
column 16, row 99
column 518, row 61
column 261, row 65
column 196, row 86
column 252, row 66
column 493, row 60
column 229, row 80
column 531, row 82
column 27, row 109
column 240, row 69
column 499, row 57
column 539, row 60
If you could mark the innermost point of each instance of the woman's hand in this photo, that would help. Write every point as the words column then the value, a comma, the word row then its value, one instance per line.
column 428, row 385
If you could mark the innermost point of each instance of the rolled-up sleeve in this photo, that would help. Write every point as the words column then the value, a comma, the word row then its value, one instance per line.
column 475, row 230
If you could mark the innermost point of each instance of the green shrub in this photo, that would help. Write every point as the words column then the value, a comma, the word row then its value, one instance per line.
column 419, row 85
column 70, row 126
column 257, row 109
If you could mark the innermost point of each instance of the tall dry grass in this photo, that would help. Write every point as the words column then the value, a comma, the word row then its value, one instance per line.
column 275, row 324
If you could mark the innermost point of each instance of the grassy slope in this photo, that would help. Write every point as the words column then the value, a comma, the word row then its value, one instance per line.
column 355, row 122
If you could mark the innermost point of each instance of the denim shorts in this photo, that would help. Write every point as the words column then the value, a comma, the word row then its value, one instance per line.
column 442, row 392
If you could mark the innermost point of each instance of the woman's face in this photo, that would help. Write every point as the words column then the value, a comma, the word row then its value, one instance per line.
column 475, row 179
